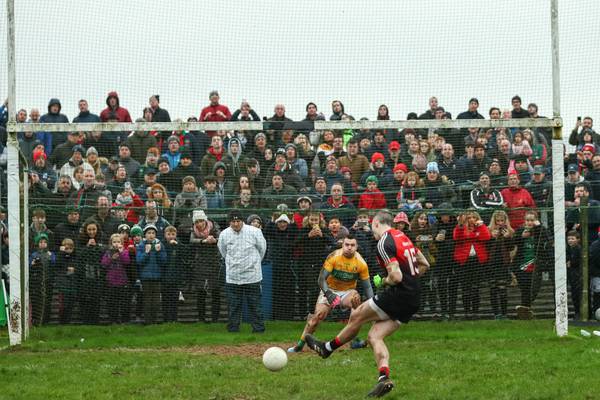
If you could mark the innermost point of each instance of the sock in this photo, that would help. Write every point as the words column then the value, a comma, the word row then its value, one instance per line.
column 300, row 343
column 333, row 344
column 384, row 372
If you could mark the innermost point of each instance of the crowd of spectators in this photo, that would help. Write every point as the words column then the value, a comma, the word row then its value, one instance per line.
column 134, row 220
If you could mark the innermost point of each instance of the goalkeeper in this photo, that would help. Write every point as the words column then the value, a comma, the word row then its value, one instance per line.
column 337, row 280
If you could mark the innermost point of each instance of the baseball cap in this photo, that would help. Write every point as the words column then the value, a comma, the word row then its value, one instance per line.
column 234, row 215
column 572, row 168
column 394, row 145
column 538, row 170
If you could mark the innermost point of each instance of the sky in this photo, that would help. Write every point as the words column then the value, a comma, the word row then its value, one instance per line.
column 364, row 53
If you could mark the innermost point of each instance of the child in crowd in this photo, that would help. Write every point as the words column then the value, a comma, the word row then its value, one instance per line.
column 115, row 262
column 171, row 275
column 410, row 195
column 574, row 269
column 372, row 198
column 151, row 258
column 213, row 199
column 41, row 270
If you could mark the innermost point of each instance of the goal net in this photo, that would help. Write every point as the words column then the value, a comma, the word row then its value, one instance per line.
column 304, row 133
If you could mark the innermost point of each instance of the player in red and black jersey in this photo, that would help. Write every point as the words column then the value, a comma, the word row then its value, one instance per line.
column 391, row 307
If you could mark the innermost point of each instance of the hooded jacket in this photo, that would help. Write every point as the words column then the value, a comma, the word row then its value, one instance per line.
column 121, row 112
column 51, row 140
column 236, row 164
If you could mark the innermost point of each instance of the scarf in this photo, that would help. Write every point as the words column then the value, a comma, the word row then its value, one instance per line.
column 203, row 234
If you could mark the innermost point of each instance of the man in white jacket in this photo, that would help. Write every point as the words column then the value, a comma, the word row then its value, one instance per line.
column 243, row 248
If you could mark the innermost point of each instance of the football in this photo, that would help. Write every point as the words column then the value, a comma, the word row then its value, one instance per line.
column 275, row 358
column 597, row 314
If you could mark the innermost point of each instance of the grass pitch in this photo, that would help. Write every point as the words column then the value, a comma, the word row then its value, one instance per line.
column 430, row 360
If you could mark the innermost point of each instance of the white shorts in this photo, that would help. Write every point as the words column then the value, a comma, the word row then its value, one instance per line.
column 342, row 293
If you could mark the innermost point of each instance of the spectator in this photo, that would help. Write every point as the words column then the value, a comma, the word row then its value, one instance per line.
column 372, row 198
column 447, row 165
column 214, row 199
column 411, row 195
column 105, row 144
column 150, row 257
column 517, row 199
column 53, row 116
column 500, row 247
column 115, row 261
column 281, row 235
column 41, row 273
column 339, row 205
column 75, row 161
column 337, row 233
column 471, row 237
column 214, row 154
column 85, row 116
column 27, row 142
column 68, row 229
column 437, row 189
column 86, row 197
column 278, row 193
column 518, row 111
column 445, row 266
column 357, row 163
column 114, row 108
column 45, row 173
column 139, row 142
column 433, row 105
column 333, row 175
column 102, row 218
column 539, row 188
column 172, row 274
column 401, row 222
column 573, row 218
column 245, row 113
column 312, row 113
column 214, row 112
column 422, row 233
column 399, row 173
column 484, row 197
column 243, row 247
column 66, row 282
column 206, row 276
column 593, row 177
column 97, row 163
column 574, row 277
column 63, row 152
column 298, row 164
column 472, row 112
column 173, row 154
column 235, row 161
column 577, row 137
column 89, row 251
column 158, row 114
column 377, row 168
column 152, row 218
column 167, row 177
column 533, row 253
column 278, row 120
column 38, row 226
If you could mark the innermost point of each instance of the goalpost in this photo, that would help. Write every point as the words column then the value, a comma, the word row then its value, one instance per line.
column 17, row 174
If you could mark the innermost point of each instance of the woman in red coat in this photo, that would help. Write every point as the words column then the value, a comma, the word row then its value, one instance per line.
column 471, row 254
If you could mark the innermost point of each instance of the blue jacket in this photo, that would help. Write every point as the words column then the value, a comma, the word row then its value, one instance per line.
column 86, row 117
column 173, row 159
column 57, row 137
column 150, row 264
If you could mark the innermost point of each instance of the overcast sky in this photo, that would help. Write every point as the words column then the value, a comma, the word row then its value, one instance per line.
column 364, row 53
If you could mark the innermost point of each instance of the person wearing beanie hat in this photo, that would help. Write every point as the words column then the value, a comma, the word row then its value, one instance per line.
column 432, row 167
column 372, row 198
column 254, row 220
column 136, row 230
column 377, row 157
column 243, row 272
column 173, row 153
column 189, row 198
column 203, row 247
column 39, row 154
column 41, row 269
column 91, row 150
column 151, row 258
column 45, row 173
column 438, row 188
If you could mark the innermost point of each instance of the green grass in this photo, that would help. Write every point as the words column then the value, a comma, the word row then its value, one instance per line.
column 466, row 360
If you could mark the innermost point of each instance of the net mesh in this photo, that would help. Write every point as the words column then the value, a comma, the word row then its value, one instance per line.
column 314, row 60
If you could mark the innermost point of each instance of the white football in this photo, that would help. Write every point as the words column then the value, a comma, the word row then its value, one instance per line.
column 275, row 358
column 597, row 314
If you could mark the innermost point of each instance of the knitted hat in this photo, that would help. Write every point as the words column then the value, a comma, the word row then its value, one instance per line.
column 173, row 138
column 394, row 145
column 136, row 230
column 39, row 237
column 401, row 167
column 91, row 150
column 188, row 179
column 377, row 156
column 432, row 167
column 372, row 178
column 401, row 217
column 150, row 226
column 254, row 217
column 589, row 147
column 199, row 215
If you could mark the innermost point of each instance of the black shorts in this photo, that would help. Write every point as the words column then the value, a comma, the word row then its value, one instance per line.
column 396, row 304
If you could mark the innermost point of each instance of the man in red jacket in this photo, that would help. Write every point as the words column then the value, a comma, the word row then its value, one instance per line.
column 113, row 107
column 517, row 199
column 214, row 112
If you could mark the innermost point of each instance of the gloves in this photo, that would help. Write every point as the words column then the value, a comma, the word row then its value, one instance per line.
column 332, row 298
column 378, row 281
